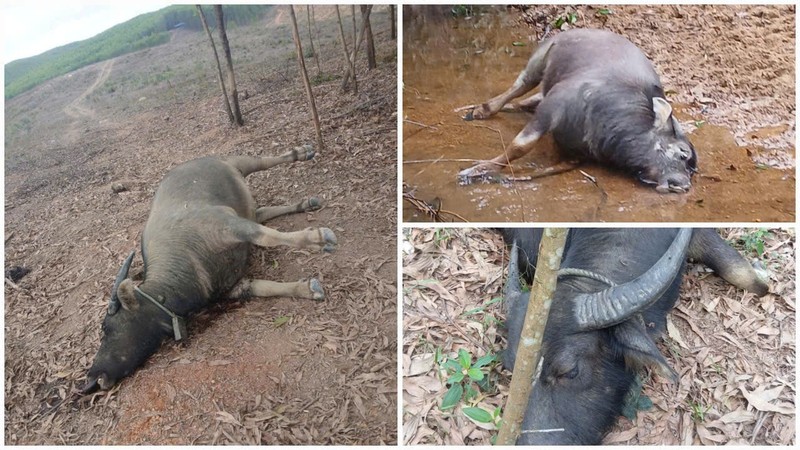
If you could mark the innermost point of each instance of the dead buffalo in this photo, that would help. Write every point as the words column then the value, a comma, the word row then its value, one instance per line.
column 602, row 100
column 615, row 289
column 195, row 247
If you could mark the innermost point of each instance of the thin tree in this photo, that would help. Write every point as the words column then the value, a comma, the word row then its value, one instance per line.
column 551, row 248
column 216, row 60
column 354, row 53
column 353, row 16
column 311, row 38
column 237, row 113
column 370, row 43
column 348, row 62
column 393, row 20
column 312, row 105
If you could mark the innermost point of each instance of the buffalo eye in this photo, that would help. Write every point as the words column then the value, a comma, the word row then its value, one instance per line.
column 571, row 374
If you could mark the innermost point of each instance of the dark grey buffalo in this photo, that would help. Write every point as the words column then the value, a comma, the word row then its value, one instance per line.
column 195, row 247
column 615, row 289
column 602, row 100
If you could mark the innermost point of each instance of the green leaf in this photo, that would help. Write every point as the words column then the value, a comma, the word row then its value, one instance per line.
column 604, row 12
column 452, row 365
column 558, row 23
column 452, row 397
column 280, row 321
column 518, row 44
column 478, row 415
column 573, row 18
column 456, row 377
column 464, row 358
column 475, row 373
column 484, row 360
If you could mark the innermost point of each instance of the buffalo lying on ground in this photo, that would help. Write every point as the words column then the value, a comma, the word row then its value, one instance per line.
column 195, row 247
column 615, row 289
column 602, row 100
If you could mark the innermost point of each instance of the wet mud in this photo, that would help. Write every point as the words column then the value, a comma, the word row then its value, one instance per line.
column 459, row 62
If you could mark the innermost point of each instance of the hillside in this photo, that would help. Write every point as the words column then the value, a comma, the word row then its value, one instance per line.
column 146, row 30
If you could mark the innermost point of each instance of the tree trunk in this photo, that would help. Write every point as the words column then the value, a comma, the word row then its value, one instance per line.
column 551, row 248
column 311, row 38
column 393, row 20
column 353, row 15
column 355, row 52
column 216, row 60
column 237, row 113
column 370, row 43
column 312, row 105
column 348, row 63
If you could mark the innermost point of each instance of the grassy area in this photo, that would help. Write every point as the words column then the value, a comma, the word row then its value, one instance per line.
column 146, row 30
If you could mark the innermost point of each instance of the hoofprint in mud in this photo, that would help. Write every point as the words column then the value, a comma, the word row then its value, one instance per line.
column 602, row 100
column 616, row 287
column 195, row 247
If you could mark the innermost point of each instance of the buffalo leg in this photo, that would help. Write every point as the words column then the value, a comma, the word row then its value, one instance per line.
column 249, row 164
column 530, row 103
column 265, row 213
column 311, row 289
column 528, row 79
column 314, row 238
column 521, row 145
column 710, row 249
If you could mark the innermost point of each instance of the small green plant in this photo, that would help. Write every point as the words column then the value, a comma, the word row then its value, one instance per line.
column 465, row 377
column 441, row 236
column 698, row 411
column 604, row 12
column 568, row 18
column 754, row 241
column 462, row 11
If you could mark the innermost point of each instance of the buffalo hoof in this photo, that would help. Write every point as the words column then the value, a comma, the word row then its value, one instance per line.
column 469, row 116
column 303, row 153
column 330, row 240
column 317, row 293
column 312, row 204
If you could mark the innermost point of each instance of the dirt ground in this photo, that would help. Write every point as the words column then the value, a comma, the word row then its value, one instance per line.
column 734, row 352
column 271, row 371
column 728, row 70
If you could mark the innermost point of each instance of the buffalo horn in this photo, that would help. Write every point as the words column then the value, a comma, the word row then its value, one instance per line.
column 113, row 304
column 616, row 304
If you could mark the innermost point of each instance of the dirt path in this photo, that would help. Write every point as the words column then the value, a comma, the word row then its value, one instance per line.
column 77, row 109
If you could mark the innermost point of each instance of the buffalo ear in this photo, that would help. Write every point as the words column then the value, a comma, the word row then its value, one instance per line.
column 640, row 350
column 663, row 110
column 127, row 296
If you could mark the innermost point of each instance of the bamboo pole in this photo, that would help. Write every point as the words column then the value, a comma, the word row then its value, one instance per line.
column 551, row 248
column 309, row 93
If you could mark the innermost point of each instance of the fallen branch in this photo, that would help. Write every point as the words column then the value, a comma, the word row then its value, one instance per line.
column 419, row 124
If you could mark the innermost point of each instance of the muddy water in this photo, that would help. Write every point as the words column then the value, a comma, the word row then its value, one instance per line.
column 462, row 62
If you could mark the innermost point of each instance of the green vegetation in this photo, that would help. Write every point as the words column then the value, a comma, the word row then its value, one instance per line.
column 144, row 31
column 754, row 241
column 462, row 11
column 465, row 377
column 568, row 18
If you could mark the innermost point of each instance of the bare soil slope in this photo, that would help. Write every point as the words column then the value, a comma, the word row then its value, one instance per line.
column 273, row 371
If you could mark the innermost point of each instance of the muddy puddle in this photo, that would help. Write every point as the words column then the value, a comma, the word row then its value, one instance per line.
column 458, row 62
